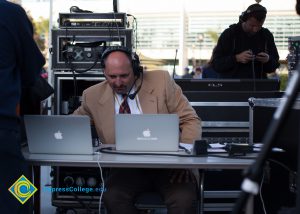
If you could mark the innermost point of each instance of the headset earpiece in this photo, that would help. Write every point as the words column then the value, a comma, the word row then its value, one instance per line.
column 136, row 65
column 242, row 17
column 135, row 61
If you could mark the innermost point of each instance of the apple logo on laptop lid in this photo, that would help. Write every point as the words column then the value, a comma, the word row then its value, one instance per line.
column 147, row 133
column 58, row 135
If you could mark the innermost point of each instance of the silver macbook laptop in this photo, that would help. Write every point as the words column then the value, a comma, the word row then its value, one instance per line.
column 58, row 134
column 147, row 132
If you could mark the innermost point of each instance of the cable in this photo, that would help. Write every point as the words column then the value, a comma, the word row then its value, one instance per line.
column 89, row 68
column 110, row 150
column 174, row 66
column 131, row 87
column 260, row 193
column 69, row 64
column 69, row 59
column 74, row 83
column 118, row 30
column 283, row 166
column 185, row 149
column 253, row 72
column 102, row 185
column 132, row 96
column 134, row 29
column 110, row 32
column 111, row 37
column 136, row 32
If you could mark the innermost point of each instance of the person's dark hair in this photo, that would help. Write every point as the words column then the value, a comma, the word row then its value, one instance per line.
column 257, row 11
column 198, row 68
column 298, row 7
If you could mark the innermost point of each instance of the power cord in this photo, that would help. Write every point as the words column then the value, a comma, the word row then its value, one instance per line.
column 118, row 30
column 263, row 176
column 260, row 193
column 185, row 149
column 253, row 71
column 102, row 185
column 135, row 29
column 283, row 166
column 110, row 150
column 69, row 62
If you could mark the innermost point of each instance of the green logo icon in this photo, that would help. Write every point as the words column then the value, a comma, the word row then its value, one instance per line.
column 22, row 189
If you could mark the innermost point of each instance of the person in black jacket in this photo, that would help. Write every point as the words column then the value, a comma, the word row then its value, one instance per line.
column 20, row 64
column 297, row 7
column 246, row 49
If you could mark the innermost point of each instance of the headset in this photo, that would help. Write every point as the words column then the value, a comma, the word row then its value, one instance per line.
column 134, row 58
column 254, row 8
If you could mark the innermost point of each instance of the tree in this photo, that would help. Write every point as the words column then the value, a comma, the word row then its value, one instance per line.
column 41, row 31
column 213, row 35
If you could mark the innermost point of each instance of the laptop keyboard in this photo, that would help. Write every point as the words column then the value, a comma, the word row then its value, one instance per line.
column 224, row 140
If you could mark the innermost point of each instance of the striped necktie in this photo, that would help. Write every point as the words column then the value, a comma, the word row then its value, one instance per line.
column 124, row 107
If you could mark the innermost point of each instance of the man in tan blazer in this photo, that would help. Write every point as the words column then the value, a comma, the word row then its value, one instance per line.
column 152, row 93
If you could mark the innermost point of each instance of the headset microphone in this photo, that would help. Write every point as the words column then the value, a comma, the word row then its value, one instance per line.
column 132, row 96
column 174, row 71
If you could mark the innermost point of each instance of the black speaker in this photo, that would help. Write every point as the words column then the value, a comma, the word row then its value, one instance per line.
column 135, row 61
column 254, row 8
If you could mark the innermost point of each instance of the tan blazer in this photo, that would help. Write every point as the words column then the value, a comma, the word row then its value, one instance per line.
column 158, row 95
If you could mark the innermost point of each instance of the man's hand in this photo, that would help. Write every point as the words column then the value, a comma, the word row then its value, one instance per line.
column 262, row 57
column 244, row 57
column 182, row 176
